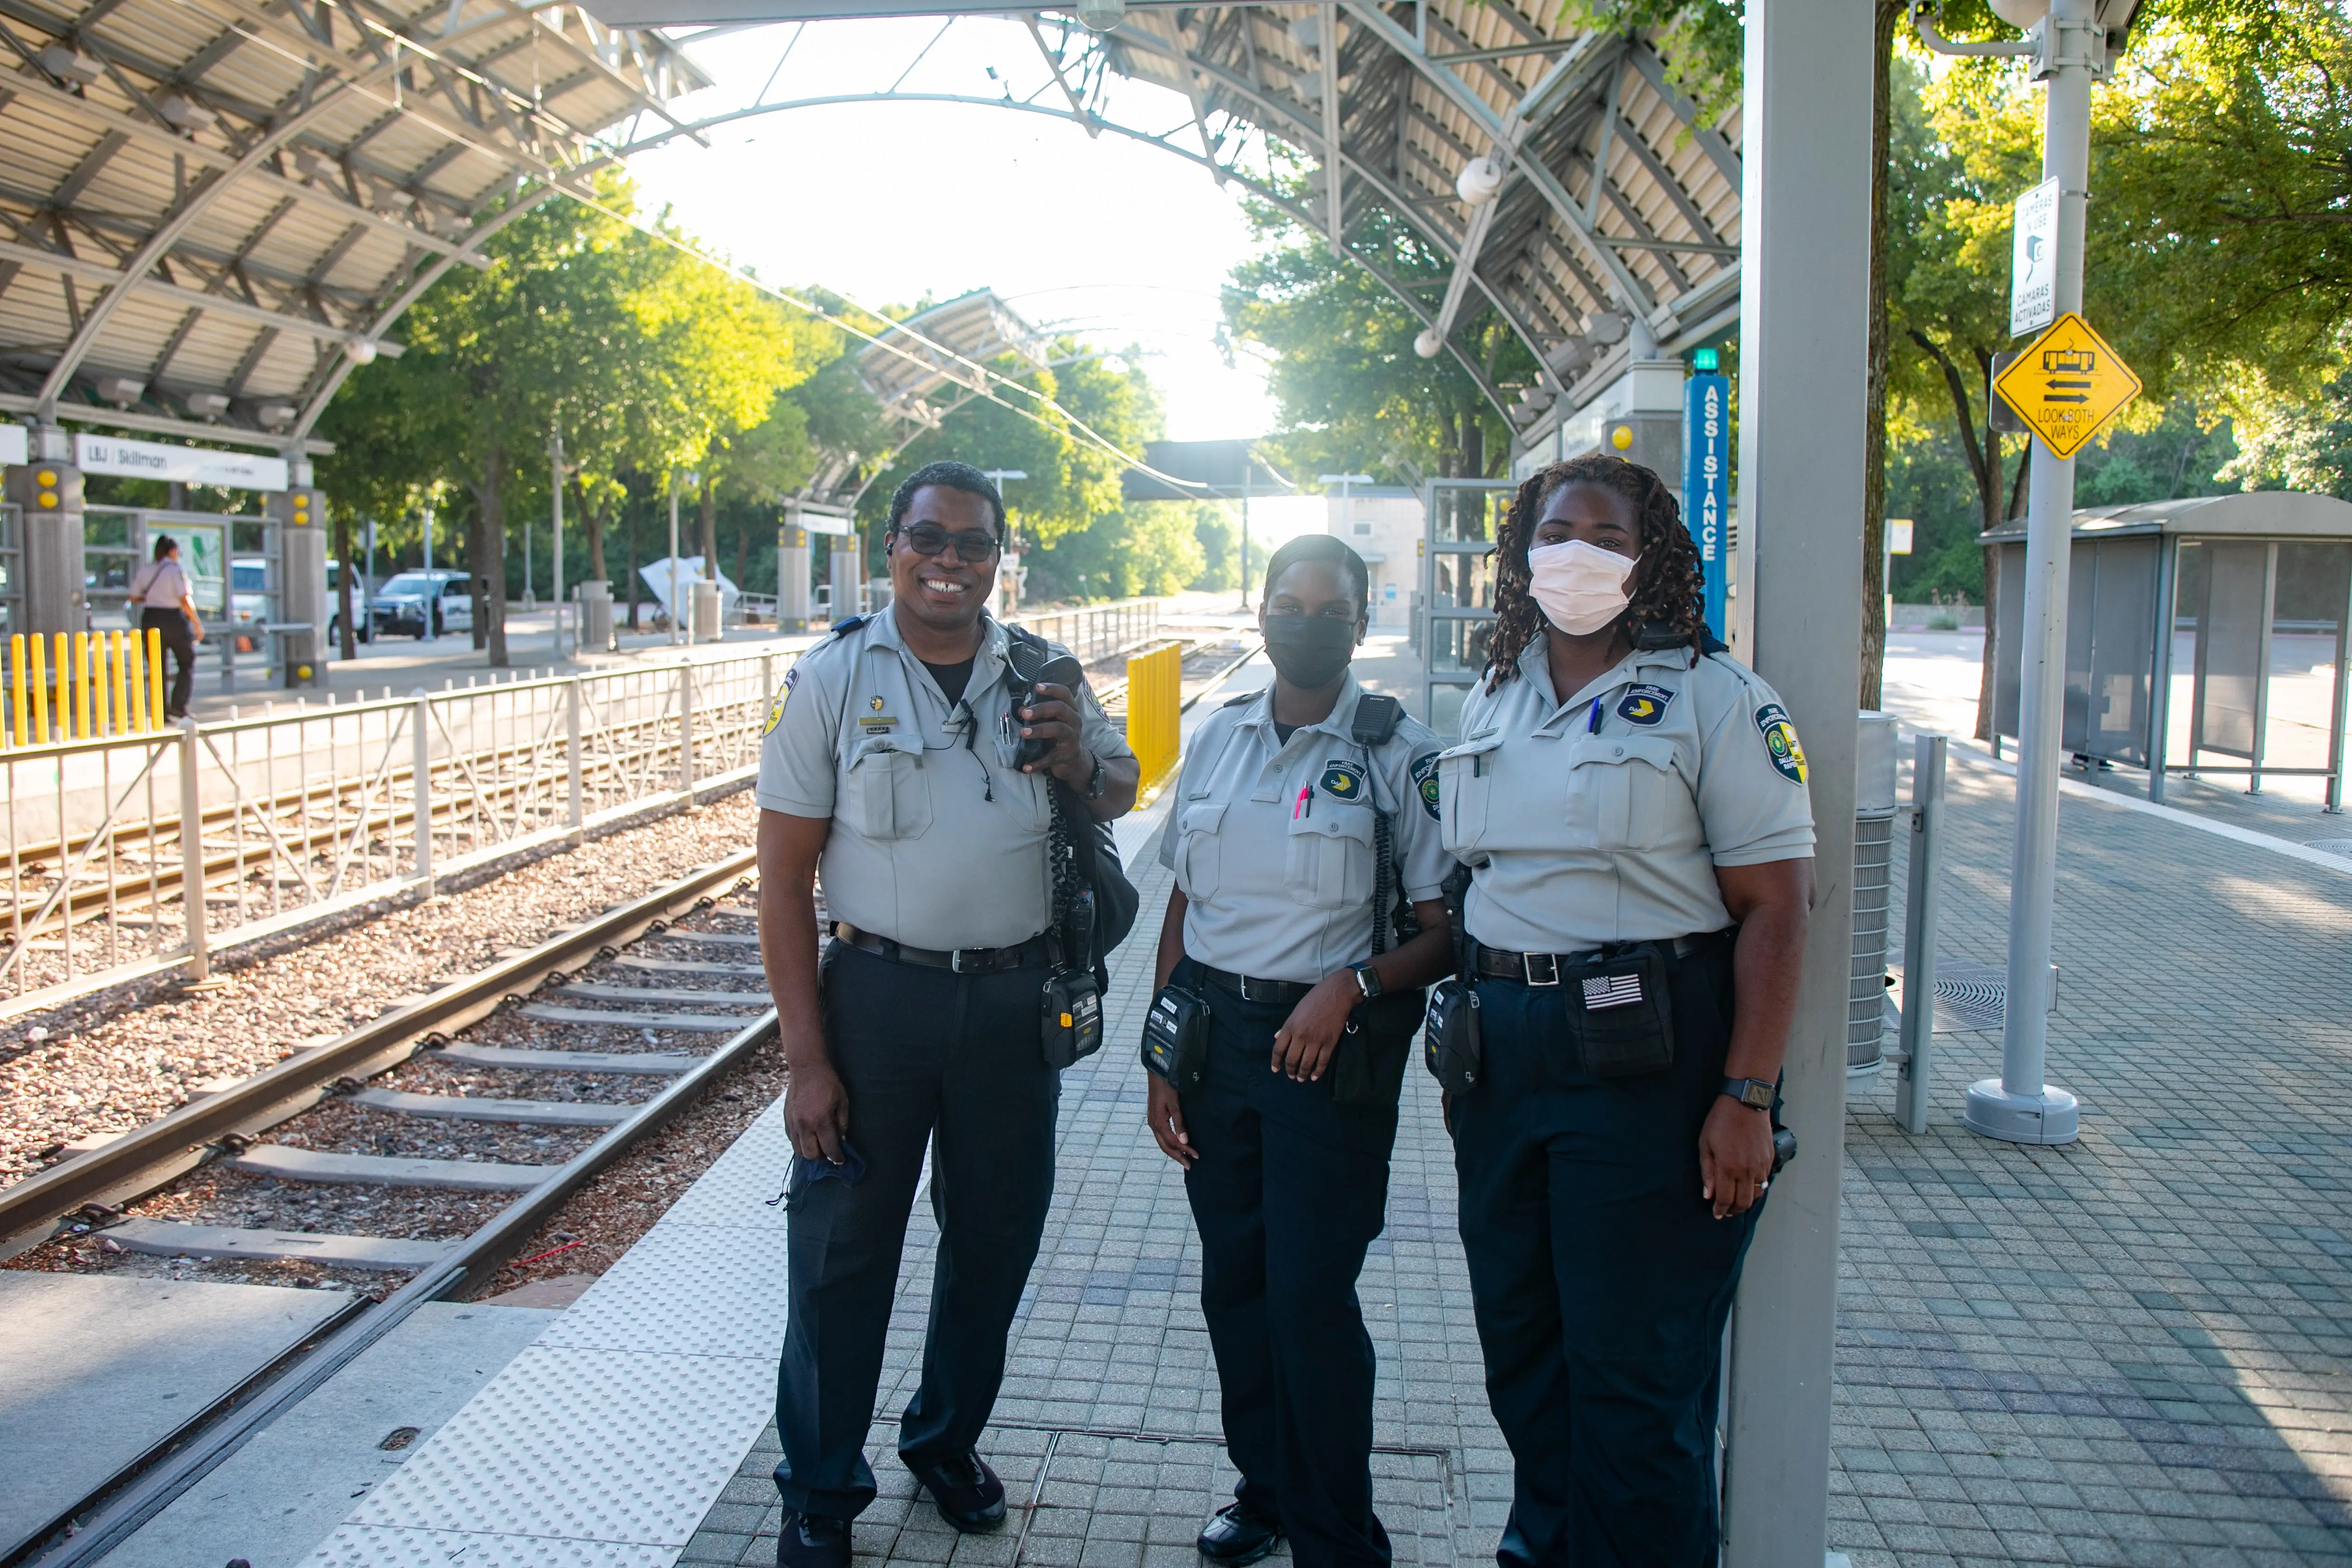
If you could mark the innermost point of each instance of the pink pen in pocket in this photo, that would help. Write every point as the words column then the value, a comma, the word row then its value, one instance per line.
column 1305, row 805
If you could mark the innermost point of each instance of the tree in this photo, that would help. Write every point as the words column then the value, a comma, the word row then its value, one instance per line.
column 1348, row 385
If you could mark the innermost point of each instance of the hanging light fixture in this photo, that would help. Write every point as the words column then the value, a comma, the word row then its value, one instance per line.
column 1101, row 16
column 1480, row 182
column 1428, row 344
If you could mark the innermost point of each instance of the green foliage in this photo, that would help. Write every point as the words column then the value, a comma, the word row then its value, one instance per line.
column 1145, row 548
column 1218, row 530
column 1702, row 41
column 1350, row 390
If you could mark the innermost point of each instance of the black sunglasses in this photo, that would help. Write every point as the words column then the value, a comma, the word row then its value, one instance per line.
column 929, row 538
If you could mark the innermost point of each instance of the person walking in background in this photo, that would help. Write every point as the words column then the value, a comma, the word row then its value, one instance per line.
column 166, row 605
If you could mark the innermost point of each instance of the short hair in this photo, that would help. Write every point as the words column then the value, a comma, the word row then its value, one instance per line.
column 954, row 476
column 1330, row 551
column 164, row 545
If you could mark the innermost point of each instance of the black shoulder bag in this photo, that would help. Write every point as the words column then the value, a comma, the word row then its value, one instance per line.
column 1095, row 905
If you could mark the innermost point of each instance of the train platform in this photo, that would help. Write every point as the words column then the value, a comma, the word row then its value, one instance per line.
column 2127, row 1351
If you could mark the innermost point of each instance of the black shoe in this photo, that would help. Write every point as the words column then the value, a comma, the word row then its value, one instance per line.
column 1238, row 1535
column 812, row 1540
column 969, row 1496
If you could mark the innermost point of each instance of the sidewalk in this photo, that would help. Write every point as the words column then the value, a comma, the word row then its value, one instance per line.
column 2131, row 1351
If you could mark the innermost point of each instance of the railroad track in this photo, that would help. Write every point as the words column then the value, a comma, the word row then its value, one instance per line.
column 481, row 1107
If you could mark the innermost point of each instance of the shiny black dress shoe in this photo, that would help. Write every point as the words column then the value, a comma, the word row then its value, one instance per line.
column 1238, row 1535
column 812, row 1540
column 968, row 1495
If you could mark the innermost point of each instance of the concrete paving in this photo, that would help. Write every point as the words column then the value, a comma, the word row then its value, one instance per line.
column 275, row 1497
column 96, row 1370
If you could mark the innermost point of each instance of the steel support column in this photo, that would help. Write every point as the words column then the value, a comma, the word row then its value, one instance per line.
column 1805, row 228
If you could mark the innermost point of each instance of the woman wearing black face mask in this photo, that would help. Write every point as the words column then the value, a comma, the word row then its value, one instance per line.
column 1305, row 835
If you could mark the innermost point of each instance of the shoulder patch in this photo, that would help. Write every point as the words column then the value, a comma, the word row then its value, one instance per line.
column 1781, row 741
column 776, row 707
column 1425, row 781
column 1343, row 781
column 1645, row 705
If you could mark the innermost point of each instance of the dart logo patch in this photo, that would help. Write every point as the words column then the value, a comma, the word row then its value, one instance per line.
column 1781, row 741
column 1645, row 705
column 1342, row 782
column 1425, row 780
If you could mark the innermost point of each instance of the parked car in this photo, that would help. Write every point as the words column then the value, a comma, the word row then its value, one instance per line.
column 248, row 599
column 366, row 632
column 423, row 605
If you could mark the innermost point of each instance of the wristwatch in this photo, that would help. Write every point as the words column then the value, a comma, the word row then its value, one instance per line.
column 1097, row 781
column 1755, row 1093
column 1368, row 980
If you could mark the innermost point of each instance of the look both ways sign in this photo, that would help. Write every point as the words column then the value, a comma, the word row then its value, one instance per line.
column 2066, row 384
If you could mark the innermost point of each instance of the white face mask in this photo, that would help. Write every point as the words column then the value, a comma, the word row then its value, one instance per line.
column 1581, row 586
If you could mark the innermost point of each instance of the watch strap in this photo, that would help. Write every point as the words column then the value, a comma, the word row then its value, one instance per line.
column 1756, row 1093
column 1368, row 980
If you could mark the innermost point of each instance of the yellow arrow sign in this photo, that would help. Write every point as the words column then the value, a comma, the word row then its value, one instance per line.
column 2067, row 383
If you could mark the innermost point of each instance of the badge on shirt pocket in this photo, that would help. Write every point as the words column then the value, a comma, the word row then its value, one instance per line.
column 1645, row 705
column 1343, row 781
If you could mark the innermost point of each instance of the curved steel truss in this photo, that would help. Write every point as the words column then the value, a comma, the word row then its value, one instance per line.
column 214, row 207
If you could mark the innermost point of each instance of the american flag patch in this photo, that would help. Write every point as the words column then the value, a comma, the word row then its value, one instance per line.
column 1612, row 991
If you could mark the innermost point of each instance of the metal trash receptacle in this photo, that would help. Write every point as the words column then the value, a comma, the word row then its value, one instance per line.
column 1873, row 861
column 595, row 615
column 702, row 609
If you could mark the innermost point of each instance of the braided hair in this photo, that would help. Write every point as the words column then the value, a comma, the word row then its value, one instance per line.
column 1668, row 597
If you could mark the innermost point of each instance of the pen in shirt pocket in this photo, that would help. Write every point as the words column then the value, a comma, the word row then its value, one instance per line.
column 1593, row 727
column 1305, row 805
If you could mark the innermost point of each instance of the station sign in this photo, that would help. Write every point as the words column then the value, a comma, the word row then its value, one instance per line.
column 2067, row 383
column 185, row 465
column 1707, row 481
column 2033, row 260
column 15, row 444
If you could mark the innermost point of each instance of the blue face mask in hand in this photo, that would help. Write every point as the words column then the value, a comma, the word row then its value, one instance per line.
column 807, row 1172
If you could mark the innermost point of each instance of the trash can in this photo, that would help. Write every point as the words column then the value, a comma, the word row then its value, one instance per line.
column 1874, row 860
column 703, row 608
column 595, row 615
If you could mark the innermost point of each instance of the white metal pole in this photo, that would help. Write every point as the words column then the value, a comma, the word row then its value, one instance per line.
column 555, row 489
column 2021, row 1106
column 576, row 802
column 1923, row 904
column 192, row 854
column 420, row 762
column 428, row 560
column 674, row 628
column 1804, row 342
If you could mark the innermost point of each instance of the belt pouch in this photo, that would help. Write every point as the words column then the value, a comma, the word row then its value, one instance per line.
column 1450, row 1039
column 1368, row 1067
column 1176, row 1038
column 1621, row 1012
column 1072, row 1018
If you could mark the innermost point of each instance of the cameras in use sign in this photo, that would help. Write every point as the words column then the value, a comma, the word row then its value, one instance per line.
column 2033, row 260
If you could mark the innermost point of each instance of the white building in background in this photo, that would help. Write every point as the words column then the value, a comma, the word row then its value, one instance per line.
column 1382, row 523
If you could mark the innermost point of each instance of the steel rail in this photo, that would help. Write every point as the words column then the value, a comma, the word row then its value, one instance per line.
column 146, row 1158
column 467, row 1266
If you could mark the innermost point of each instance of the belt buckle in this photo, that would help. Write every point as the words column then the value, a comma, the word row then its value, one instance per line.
column 955, row 960
column 1551, row 963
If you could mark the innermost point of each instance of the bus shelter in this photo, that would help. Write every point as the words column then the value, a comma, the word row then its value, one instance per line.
column 2205, row 635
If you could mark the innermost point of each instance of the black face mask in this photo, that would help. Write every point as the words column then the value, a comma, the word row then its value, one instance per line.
column 1309, row 651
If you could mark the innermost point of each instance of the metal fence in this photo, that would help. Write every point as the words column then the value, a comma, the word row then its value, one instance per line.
column 302, row 814
column 1097, row 631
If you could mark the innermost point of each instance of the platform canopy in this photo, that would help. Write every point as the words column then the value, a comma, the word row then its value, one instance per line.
column 922, row 369
column 1614, row 232
column 214, row 208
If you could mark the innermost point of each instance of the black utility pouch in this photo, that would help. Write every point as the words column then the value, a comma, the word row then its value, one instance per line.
column 1621, row 1012
column 1072, row 1018
column 1450, row 1039
column 1176, row 1038
column 1368, row 1065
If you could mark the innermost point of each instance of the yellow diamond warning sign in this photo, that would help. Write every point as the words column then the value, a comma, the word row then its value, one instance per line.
column 2067, row 383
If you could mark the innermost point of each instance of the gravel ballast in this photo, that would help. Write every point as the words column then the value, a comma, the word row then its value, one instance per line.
column 115, row 1061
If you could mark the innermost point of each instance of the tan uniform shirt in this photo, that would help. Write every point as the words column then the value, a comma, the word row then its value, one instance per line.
column 1603, row 818
column 938, row 840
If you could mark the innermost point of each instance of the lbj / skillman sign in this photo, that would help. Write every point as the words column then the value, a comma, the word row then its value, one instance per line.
column 2066, row 384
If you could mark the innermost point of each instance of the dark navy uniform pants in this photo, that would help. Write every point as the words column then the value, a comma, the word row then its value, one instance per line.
column 1288, row 1191
column 1602, row 1281
column 953, row 1061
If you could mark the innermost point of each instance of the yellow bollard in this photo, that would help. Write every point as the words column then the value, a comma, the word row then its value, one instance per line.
column 136, row 677
column 40, row 690
column 1154, row 704
column 81, row 682
column 21, row 734
column 155, row 676
column 123, row 708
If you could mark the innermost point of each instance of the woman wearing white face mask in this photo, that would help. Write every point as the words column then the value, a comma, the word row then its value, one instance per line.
column 1632, row 804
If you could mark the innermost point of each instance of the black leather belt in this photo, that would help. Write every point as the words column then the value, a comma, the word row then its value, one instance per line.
column 1543, row 968
column 1280, row 992
column 1031, row 954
